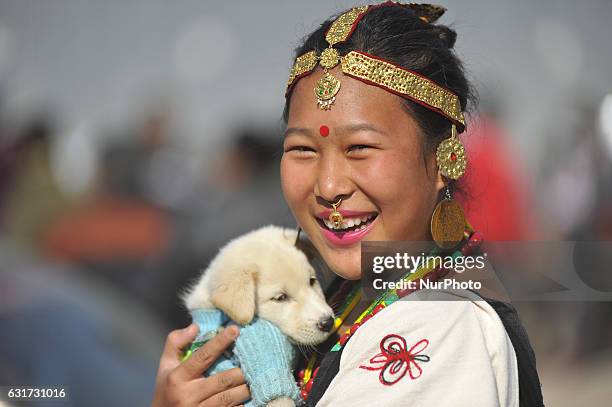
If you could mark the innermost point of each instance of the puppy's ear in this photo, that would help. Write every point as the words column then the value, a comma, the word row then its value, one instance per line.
column 307, row 248
column 235, row 295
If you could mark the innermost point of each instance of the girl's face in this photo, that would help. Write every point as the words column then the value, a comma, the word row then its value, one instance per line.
column 373, row 158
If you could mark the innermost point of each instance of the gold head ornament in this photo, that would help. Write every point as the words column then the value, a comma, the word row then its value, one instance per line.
column 448, row 221
column 372, row 70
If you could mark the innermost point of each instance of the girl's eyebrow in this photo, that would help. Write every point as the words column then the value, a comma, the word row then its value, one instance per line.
column 354, row 128
column 297, row 130
column 346, row 129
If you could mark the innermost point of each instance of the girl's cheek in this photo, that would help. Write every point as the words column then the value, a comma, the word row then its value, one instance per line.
column 381, row 179
column 294, row 183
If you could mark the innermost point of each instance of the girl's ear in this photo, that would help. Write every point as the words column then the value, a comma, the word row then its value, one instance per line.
column 235, row 295
column 441, row 181
column 433, row 171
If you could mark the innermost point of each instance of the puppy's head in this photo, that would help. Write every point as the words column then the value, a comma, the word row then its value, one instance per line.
column 278, row 284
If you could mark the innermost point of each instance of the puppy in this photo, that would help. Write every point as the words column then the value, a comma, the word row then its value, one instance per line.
column 263, row 274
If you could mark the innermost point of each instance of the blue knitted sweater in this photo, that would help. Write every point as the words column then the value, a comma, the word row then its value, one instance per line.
column 262, row 351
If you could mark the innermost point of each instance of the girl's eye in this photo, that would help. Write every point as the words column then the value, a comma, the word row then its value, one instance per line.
column 313, row 281
column 299, row 149
column 358, row 147
column 280, row 297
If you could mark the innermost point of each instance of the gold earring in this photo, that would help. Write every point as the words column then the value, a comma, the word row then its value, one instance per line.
column 336, row 217
column 447, row 222
column 450, row 156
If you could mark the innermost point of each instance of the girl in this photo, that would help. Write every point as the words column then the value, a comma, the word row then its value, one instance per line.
column 373, row 155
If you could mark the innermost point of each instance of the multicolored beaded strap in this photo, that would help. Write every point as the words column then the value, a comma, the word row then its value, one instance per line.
column 427, row 272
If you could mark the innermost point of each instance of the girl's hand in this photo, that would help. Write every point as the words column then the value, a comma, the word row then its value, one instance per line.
column 182, row 384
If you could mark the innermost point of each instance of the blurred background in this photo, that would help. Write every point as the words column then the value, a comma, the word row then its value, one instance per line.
column 137, row 137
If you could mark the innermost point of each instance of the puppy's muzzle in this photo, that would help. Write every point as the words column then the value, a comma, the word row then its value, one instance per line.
column 325, row 324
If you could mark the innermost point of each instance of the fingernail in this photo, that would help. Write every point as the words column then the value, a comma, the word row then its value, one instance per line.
column 190, row 329
column 231, row 332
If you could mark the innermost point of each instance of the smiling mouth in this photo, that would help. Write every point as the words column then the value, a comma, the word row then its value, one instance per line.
column 348, row 224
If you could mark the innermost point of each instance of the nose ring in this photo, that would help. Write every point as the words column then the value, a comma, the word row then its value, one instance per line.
column 336, row 217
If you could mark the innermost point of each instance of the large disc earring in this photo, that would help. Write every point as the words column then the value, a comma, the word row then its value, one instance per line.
column 447, row 222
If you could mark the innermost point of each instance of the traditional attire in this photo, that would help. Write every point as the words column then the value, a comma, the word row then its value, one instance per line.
column 433, row 348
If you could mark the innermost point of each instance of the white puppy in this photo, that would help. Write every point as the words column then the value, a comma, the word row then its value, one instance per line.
column 262, row 273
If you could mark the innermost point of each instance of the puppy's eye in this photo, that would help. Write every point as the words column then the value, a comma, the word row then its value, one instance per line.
column 313, row 281
column 280, row 297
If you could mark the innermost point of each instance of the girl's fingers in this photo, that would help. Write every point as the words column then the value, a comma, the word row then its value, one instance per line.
column 220, row 382
column 231, row 397
column 175, row 342
column 204, row 357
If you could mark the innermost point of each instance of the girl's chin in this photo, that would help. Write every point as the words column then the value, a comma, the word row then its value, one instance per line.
column 345, row 262
column 350, row 275
column 346, row 270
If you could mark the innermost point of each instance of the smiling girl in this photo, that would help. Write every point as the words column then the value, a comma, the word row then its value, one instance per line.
column 374, row 103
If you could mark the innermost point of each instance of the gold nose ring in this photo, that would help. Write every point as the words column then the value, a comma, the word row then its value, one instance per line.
column 336, row 217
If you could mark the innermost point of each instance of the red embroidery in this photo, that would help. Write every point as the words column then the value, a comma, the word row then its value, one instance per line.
column 394, row 360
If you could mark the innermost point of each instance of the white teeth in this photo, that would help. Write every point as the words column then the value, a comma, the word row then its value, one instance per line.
column 349, row 223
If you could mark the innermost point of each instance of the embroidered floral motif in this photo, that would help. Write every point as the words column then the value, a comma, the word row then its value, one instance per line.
column 394, row 360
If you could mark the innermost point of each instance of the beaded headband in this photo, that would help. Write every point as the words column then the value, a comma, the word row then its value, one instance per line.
column 373, row 70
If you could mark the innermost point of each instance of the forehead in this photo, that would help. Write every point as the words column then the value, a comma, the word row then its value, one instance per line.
column 355, row 102
column 285, row 265
column 284, row 272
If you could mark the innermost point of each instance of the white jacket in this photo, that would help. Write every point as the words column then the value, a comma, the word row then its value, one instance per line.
column 430, row 349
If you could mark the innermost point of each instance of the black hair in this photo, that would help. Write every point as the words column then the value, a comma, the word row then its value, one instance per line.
column 396, row 33
column 257, row 146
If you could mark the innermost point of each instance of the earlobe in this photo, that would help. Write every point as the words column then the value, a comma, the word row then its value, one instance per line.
column 441, row 181
column 235, row 296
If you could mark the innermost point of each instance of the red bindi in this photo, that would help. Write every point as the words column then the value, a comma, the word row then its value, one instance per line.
column 324, row 131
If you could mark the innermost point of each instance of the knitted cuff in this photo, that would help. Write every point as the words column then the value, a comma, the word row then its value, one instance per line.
column 272, row 384
column 266, row 358
column 222, row 364
column 208, row 320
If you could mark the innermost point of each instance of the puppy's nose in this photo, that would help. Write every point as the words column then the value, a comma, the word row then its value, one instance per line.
column 325, row 324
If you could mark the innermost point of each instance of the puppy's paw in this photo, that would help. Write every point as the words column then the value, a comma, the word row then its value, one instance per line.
column 281, row 402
